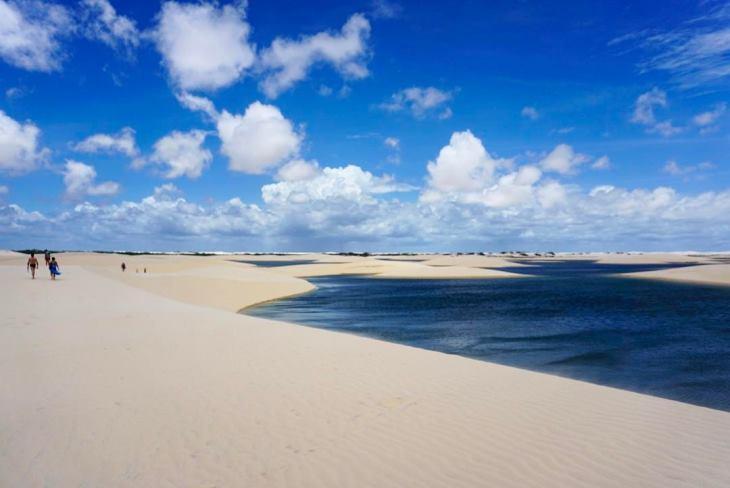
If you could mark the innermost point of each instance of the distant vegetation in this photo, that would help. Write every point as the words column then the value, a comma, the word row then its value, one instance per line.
column 36, row 251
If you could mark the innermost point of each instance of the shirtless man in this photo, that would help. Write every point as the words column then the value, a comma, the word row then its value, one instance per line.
column 32, row 264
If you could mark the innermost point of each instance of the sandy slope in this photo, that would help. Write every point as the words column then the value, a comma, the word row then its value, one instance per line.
column 710, row 274
column 105, row 384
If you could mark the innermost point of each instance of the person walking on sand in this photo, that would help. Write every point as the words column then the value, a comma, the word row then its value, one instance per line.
column 32, row 264
column 47, row 255
column 53, row 267
column 124, row 267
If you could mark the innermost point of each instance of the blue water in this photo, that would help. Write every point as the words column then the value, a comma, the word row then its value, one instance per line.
column 665, row 339
column 276, row 264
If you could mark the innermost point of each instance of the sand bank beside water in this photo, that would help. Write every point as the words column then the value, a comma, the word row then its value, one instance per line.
column 150, row 380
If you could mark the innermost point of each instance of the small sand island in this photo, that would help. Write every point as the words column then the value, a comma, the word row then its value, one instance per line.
column 148, row 379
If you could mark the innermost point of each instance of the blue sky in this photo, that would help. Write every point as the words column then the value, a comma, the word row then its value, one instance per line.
column 364, row 125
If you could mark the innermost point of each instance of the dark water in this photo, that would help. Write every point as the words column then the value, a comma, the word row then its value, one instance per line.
column 665, row 339
column 276, row 264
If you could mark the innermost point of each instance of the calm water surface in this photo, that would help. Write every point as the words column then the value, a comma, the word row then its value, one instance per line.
column 573, row 319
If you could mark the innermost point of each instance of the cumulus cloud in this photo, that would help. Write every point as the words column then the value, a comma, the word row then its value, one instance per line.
column 345, row 209
column 259, row 140
column 204, row 46
column 516, row 188
column 122, row 142
column 350, row 182
column 551, row 194
column 182, row 154
column 644, row 108
column 465, row 173
column 31, row 33
column 530, row 113
column 420, row 102
column 80, row 181
column 563, row 159
column 102, row 22
column 19, row 146
column 286, row 62
column 298, row 170
column 464, row 165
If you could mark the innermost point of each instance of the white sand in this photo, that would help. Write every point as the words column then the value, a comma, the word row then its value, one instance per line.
column 710, row 274
column 107, row 384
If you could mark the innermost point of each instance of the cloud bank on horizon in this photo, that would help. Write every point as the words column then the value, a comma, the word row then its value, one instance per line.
column 270, row 126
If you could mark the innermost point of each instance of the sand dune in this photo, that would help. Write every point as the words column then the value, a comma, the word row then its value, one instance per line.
column 106, row 384
column 383, row 268
column 709, row 274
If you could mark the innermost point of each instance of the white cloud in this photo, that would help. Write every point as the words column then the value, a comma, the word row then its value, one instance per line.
column 465, row 173
column 285, row 62
column 664, row 128
column 80, row 181
column 602, row 163
column 530, row 113
column 645, row 105
column 182, row 154
column 563, row 159
column 446, row 113
column 332, row 184
column 102, row 22
column 259, row 140
column 14, row 92
column 204, row 46
column 675, row 169
column 644, row 114
column 298, row 170
column 512, row 189
column 324, row 90
column 392, row 142
column 198, row 104
column 461, row 166
column 345, row 209
column 551, row 194
column 419, row 101
column 705, row 120
column 384, row 9
column 31, row 34
column 19, row 151
column 693, row 54
column 122, row 142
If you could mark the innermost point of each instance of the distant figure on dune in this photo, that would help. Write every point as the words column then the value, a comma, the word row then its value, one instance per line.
column 53, row 267
column 124, row 267
column 47, row 255
column 32, row 264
